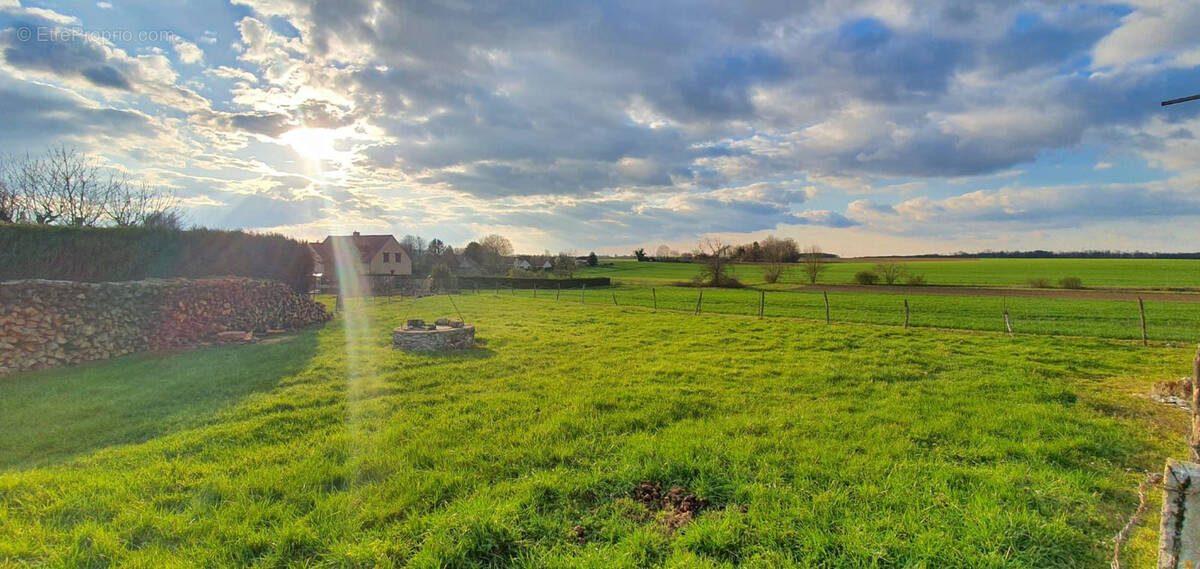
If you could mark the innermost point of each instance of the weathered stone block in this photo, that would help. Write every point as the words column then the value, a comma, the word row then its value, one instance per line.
column 441, row 339
column 1179, row 537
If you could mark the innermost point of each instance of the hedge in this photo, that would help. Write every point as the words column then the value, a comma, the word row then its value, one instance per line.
column 105, row 254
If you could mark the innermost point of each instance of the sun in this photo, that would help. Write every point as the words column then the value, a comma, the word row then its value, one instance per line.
column 313, row 143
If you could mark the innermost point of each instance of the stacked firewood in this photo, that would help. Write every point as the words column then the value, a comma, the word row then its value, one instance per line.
column 53, row 323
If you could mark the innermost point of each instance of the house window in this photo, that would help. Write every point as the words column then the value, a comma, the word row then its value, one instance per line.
column 385, row 257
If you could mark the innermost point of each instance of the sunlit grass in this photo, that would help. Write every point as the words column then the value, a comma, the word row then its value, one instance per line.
column 851, row 446
column 1165, row 320
column 1117, row 273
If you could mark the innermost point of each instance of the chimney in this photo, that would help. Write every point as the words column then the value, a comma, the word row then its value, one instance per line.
column 356, row 234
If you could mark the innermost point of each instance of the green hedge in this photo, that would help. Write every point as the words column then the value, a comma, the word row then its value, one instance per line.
column 100, row 254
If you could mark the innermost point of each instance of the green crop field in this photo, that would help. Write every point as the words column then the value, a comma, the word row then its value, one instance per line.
column 1165, row 320
column 1114, row 273
column 803, row 445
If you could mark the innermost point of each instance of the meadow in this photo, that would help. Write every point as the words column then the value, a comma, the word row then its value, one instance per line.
column 1166, row 320
column 1099, row 273
column 800, row 445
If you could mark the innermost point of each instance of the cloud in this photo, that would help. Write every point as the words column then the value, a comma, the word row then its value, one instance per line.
column 188, row 52
column 1052, row 207
column 669, row 119
column 824, row 217
column 1162, row 33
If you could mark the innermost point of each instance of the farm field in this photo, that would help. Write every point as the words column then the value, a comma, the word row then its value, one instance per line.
column 803, row 445
column 1103, row 273
column 1120, row 319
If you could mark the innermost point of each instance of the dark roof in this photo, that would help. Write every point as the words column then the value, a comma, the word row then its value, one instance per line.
column 368, row 245
column 322, row 251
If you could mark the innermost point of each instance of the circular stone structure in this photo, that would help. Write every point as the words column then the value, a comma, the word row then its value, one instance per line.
column 442, row 336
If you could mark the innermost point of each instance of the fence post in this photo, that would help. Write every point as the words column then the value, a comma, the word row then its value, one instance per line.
column 558, row 292
column 1142, row 310
column 826, row 293
column 906, row 313
column 513, row 288
column 1194, row 439
column 655, row 296
column 699, row 301
column 762, row 303
column 583, row 294
column 535, row 290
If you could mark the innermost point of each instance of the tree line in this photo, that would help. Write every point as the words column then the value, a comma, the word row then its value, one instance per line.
column 492, row 254
column 63, row 186
column 776, row 256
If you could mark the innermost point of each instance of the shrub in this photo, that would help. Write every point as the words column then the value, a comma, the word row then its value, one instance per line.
column 866, row 278
column 915, row 280
column 1070, row 282
column 1038, row 283
column 891, row 272
column 772, row 273
column 106, row 254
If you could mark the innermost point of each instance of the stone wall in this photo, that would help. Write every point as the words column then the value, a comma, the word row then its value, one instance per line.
column 443, row 336
column 53, row 323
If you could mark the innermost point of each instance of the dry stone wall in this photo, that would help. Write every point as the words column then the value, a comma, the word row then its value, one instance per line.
column 53, row 323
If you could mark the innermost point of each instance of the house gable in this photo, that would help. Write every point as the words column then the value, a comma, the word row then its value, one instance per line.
column 371, row 249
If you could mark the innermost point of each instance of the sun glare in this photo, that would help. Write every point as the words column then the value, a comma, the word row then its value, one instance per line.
column 313, row 143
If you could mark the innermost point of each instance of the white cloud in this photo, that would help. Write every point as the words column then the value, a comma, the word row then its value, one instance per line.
column 1164, row 31
column 188, row 52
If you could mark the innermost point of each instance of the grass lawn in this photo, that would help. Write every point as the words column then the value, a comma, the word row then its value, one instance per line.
column 814, row 446
column 1109, row 273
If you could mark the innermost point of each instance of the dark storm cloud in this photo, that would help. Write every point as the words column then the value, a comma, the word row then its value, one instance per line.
column 45, row 116
column 62, row 54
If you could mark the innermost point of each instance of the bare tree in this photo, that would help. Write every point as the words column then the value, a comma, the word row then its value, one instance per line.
column 78, row 184
column 133, row 203
column 497, row 244
column 30, row 182
column 778, row 254
column 717, row 260
column 69, row 187
column 662, row 252
column 891, row 272
column 564, row 264
column 10, row 197
column 495, row 248
column 814, row 263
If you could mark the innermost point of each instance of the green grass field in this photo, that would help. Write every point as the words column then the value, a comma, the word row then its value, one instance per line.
column 843, row 446
column 1105, row 273
column 1120, row 319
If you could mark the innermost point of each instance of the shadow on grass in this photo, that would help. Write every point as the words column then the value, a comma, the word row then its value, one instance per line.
column 50, row 416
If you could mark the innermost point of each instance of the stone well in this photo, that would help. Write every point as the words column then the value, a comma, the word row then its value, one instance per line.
column 442, row 336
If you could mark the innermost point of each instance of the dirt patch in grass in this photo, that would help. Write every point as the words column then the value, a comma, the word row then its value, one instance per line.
column 674, row 508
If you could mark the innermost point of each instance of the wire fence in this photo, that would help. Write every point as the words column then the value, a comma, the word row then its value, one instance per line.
column 1104, row 318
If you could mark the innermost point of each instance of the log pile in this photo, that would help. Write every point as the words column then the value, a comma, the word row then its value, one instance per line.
column 53, row 323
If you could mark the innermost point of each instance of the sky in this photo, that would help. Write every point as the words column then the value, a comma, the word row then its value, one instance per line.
column 872, row 127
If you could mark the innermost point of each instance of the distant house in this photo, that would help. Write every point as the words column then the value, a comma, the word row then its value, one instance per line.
column 534, row 263
column 467, row 267
column 370, row 255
